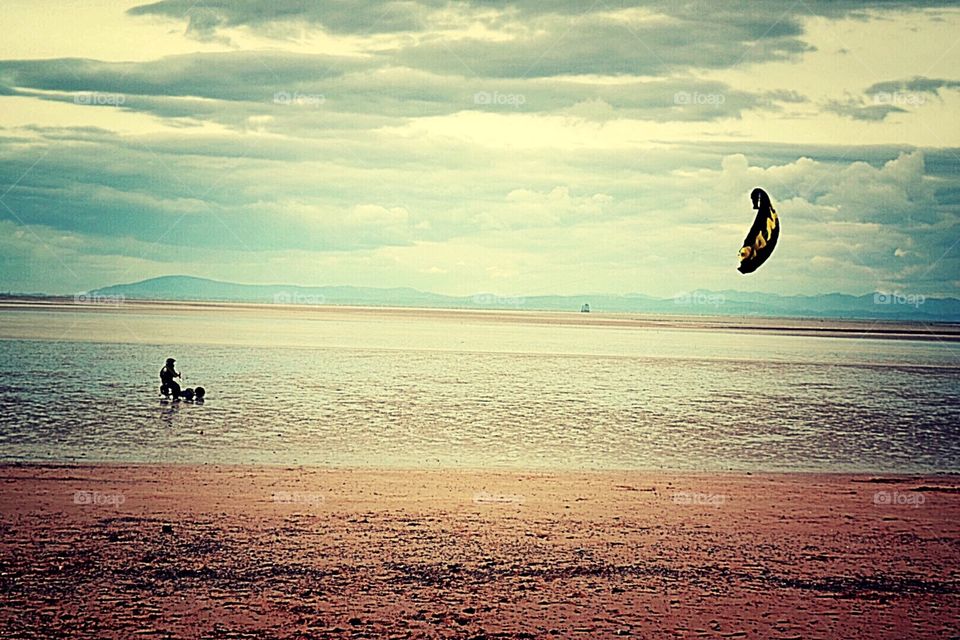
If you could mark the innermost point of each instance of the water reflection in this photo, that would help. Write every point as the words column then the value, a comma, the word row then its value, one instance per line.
column 683, row 400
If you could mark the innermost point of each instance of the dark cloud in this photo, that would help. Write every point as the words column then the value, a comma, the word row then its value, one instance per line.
column 892, row 96
column 859, row 111
column 917, row 84
column 334, row 15
column 227, row 76
column 602, row 45
column 543, row 38
column 299, row 92
column 554, row 38
column 373, row 16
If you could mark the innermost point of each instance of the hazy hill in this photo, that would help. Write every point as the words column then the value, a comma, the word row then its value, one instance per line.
column 700, row 302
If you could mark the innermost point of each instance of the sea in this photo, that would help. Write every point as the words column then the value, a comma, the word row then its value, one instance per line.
column 413, row 388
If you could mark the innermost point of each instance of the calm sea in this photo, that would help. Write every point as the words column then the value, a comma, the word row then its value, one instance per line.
column 380, row 388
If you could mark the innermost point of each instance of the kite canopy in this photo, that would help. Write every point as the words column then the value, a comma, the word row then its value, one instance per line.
column 763, row 235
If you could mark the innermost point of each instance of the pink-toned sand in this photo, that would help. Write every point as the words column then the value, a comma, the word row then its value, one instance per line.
column 235, row 552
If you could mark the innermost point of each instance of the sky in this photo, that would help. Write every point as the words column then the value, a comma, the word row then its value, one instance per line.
column 521, row 148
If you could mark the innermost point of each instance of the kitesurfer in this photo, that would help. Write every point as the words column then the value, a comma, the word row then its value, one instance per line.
column 167, row 375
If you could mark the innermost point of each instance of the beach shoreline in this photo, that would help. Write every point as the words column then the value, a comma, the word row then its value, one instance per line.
column 188, row 551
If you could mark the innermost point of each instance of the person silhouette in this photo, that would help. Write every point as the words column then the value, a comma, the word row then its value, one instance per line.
column 167, row 374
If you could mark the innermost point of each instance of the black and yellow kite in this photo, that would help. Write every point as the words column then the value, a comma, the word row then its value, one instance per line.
column 760, row 242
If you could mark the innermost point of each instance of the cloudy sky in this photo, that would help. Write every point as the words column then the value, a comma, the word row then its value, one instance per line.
column 521, row 148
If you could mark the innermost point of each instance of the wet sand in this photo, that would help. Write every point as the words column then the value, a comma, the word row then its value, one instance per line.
column 249, row 552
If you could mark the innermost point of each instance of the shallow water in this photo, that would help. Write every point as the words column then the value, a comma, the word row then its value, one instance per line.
column 361, row 388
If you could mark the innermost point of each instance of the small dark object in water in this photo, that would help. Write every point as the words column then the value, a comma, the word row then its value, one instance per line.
column 188, row 394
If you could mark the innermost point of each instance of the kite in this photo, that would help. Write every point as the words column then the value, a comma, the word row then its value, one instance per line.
column 763, row 235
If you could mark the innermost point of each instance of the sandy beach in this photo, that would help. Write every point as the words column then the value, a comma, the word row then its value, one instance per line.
column 248, row 552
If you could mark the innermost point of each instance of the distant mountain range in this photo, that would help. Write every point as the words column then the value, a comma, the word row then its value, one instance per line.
column 892, row 306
